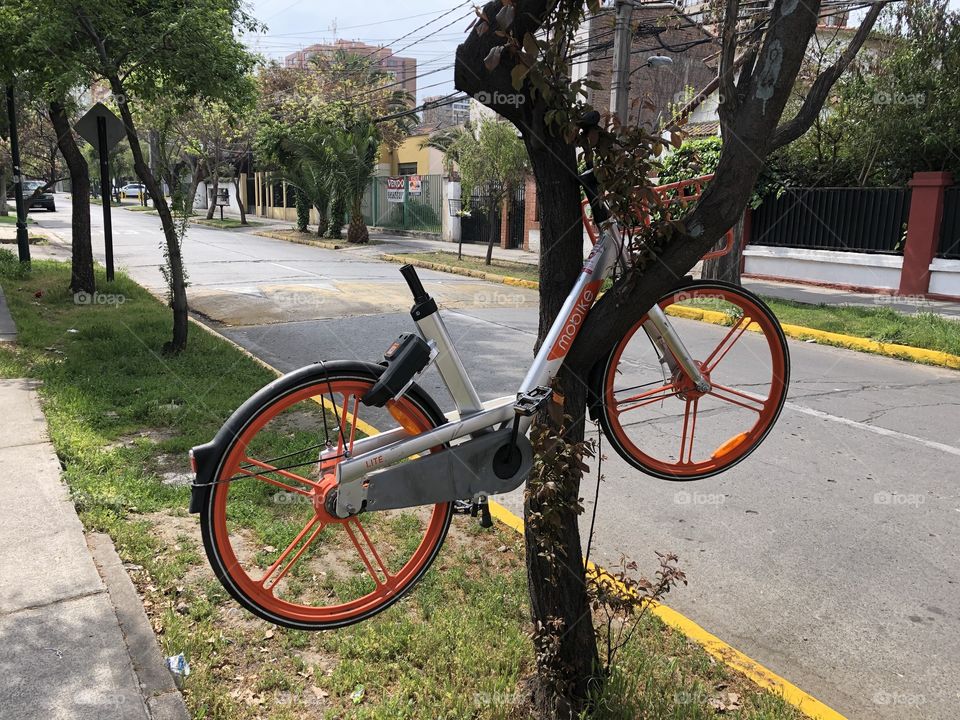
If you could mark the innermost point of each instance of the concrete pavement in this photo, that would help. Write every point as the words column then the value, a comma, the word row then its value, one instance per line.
column 831, row 555
column 66, row 636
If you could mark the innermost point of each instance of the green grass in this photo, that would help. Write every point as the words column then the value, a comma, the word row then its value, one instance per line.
column 884, row 324
column 120, row 413
column 139, row 208
column 12, row 219
column 225, row 224
column 469, row 262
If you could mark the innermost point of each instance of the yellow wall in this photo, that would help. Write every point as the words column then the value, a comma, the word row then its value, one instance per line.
column 429, row 160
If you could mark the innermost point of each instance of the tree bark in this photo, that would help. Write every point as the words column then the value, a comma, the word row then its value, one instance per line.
column 81, row 262
column 4, row 212
column 727, row 267
column 337, row 209
column 199, row 171
column 236, row 189
column 494, row 234
column 216, row 188
column 177, row 282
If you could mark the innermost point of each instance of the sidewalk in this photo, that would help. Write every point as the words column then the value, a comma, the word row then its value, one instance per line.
column 72, row 631
column 811, row 294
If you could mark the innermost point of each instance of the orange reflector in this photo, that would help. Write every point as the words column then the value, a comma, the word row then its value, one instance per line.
column 406, row 422
column 729, row 446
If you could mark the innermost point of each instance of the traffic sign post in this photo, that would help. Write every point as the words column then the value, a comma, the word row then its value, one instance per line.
column 23, row 239
column 102, row 128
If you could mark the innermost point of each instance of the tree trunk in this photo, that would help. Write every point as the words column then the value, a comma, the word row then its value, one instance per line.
column 494, row 235
column 236, row 189
column 216, row 188
column 727, row 267
column 4, row 212
column 175, row 275
column 558, row 598
column 357, row 229
column 199, row 171
column 337, row 210
column 81, row 262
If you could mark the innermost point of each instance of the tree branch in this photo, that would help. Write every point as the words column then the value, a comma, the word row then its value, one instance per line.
column 820, row 89
column 728, row 36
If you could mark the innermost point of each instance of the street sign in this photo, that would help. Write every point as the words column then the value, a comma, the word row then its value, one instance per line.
column 86, row 126
column 395, row 187
column 102, row 129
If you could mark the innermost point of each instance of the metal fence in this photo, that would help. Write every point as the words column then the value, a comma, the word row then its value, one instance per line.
column 408, row 208
column 950, row 227
column 475, row 228
column 866, row 220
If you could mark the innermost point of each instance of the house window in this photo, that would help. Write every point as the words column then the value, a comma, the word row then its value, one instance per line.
column 407, row 168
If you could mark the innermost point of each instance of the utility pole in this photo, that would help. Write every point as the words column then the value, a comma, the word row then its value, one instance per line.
column 622, row 41
column 23, row 239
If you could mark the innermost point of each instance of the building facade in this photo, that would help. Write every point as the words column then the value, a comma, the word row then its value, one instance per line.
column 402, row 69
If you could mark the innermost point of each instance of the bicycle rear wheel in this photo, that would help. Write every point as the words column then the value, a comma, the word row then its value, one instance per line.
column 268, row 527
column 654, row 416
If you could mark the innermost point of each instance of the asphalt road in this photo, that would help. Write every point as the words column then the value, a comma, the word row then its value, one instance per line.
column 831, row 556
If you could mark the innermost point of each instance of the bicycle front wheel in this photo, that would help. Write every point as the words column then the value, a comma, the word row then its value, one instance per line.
column 655, row 417
column 268, row 526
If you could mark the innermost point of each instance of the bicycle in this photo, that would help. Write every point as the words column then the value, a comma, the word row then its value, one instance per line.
column 314, row 518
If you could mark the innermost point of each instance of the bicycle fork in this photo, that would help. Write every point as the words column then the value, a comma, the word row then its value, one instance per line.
column 673, row 353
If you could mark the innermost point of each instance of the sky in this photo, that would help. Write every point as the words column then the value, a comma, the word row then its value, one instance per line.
column 295, row 24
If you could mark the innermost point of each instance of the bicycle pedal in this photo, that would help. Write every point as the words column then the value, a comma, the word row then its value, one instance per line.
column 529, row 402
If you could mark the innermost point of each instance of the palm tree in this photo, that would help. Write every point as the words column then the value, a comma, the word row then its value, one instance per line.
column 354, row 153
column 308, row 166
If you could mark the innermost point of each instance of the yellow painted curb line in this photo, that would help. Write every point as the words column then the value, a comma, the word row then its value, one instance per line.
column 729, row 656
column 309, row 240
column 714, row 646
column 468, row 272
column 852, row 342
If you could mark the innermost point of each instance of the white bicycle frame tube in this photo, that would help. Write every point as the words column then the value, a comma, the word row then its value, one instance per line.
column 473, row 416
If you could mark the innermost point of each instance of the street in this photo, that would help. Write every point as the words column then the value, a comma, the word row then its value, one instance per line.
column 830, row 556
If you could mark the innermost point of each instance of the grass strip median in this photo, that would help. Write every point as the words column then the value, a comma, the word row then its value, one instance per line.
column 122, row 416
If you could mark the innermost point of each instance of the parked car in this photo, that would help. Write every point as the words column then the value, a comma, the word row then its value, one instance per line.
column 34, row 199
column 133, row 190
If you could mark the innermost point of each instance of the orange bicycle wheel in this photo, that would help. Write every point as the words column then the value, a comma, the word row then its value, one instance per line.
column 268, row 526
column 654, row 416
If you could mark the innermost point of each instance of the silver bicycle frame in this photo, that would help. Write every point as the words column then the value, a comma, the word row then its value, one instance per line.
column 473, row 416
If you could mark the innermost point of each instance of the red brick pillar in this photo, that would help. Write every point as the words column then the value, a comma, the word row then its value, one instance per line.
column 923, row 230
column 505, row 223
column 530, row 221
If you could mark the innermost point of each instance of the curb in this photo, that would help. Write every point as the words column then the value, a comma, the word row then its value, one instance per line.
column 480, row 274
column 798, row 332
column 712, row 645
column 850, row 342
column 160, row 694
column 312, row 240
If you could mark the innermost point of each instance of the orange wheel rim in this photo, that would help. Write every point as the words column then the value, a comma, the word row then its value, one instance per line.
column 680, row 389
column 260, row 588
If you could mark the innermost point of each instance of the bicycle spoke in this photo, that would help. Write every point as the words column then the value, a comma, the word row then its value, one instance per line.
column 742, row 324
column 646, row 398
column 279, row 471
column 689, row 420
column 739, row 398
column 314, row 521
column 368, row 553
